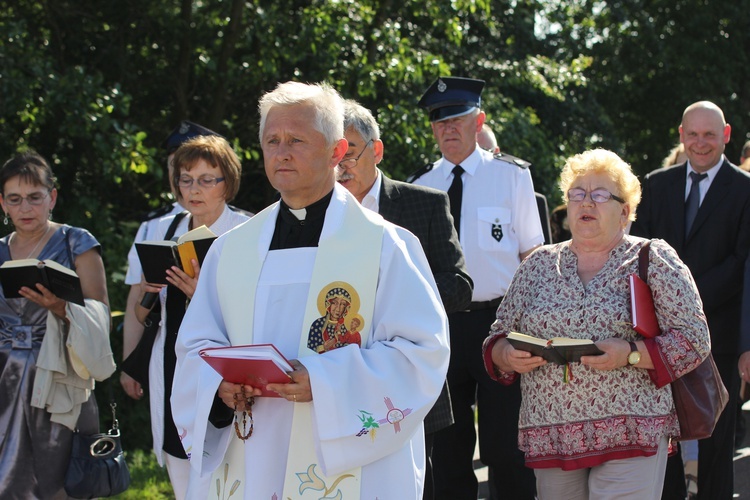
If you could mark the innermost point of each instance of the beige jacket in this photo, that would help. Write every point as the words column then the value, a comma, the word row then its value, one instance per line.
column 71, row 358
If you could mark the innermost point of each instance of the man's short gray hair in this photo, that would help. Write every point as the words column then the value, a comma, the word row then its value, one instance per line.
column 325, row 101
column 361, row 120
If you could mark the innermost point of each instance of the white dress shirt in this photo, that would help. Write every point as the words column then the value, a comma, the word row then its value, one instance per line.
column 372, row 198
column 705, row 183
column 495, row 192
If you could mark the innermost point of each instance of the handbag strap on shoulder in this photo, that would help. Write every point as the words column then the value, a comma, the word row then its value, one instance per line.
column 173, row 226
column 643, row 256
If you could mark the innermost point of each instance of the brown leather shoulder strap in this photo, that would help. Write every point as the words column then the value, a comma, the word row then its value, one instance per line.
column 643, row 257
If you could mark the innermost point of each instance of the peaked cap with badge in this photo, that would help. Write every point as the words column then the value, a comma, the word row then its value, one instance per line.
column 184, row 131
column 451, row 96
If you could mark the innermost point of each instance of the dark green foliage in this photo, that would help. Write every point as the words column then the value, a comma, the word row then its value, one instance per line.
column 148, row 481
column 96, row 86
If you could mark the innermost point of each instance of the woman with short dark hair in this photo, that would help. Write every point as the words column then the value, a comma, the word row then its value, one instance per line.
column 35, row 442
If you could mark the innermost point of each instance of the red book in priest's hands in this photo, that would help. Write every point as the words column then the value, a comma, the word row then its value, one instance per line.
column 642, row 308
column 256, row 365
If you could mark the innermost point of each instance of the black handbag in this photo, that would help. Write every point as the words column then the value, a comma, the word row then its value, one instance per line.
column 137, row 363
column 97, row 466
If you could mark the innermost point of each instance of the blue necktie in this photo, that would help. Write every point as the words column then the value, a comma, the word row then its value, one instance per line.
column 693, row 200
column 455, row 195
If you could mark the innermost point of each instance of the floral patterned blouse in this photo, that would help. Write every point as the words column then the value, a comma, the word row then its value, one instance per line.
column 599, row 415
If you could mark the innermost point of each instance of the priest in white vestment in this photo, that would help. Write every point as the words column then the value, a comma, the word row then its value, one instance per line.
column 348, row 426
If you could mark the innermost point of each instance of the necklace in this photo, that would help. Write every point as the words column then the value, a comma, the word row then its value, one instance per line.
column 37, row 243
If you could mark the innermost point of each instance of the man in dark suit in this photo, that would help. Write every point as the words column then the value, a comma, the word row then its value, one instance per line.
column 702, row 209
column 423, row 211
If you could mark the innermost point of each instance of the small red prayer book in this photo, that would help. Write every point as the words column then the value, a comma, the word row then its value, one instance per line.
column 255, row 365
column 642, row 308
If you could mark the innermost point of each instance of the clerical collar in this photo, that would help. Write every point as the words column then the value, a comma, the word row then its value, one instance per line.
column 301, row 214
column 297, row 228
column 313, row 211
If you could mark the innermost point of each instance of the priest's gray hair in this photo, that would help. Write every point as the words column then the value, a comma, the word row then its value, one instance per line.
column 361, row 120
column 326, row 102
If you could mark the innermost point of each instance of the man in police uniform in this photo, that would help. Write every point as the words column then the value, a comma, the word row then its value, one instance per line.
column 132, row 329
column 495, row 213
column 486, row 140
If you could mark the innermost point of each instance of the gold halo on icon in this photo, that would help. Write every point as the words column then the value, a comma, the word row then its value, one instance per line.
column 353, row 307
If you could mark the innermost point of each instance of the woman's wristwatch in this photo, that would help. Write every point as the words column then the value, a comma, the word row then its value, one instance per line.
column 634, row 357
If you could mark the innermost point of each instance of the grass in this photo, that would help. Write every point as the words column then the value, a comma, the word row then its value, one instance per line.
column 148, row 481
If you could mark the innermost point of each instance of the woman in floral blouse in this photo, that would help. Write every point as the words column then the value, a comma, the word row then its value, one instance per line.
column 603, row 431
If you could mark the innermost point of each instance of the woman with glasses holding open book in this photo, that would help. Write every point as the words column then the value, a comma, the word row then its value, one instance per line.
column 598, row 428
column 206, row 178
column 36, row 430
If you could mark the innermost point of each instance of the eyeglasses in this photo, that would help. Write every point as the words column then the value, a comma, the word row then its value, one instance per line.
column 597, row 195
column 205, row 181
column 34, row 199
column 348, row 163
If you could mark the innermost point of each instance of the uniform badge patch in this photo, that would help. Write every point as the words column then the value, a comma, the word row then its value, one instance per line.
column 497, row 231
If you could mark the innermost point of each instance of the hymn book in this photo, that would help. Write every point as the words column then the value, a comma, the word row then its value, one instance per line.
column 558, row 350
column 55, row 277
column 256, row 365
column 158, row 256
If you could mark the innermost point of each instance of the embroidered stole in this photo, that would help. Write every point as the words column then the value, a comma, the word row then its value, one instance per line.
column 346, row 266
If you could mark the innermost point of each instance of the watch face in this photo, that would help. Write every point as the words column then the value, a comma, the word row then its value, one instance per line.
column 634, row 357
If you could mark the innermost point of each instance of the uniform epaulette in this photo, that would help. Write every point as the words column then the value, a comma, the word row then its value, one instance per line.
column 157, row 213
column 512, row 159
column 419, row 173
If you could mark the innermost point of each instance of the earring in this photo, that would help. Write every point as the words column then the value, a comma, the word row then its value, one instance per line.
column 5, row 219
column 49, row 216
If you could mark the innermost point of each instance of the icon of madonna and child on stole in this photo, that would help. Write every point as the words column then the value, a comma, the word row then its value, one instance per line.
column 340, row 323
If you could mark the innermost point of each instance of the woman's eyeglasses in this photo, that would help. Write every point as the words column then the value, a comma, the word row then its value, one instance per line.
column 205, row 181
column 597, row 195
column 33, row 199
column 348, row 163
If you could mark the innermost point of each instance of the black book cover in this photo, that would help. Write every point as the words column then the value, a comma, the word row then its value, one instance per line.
column 158, row 256
column 60, row 280
column 560, row 351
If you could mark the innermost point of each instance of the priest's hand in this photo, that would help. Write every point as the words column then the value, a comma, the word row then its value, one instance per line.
column 298, row 390
column 237, row 396
column 182, row 280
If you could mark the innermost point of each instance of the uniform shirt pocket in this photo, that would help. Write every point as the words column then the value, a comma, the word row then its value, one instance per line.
column 494, row 228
